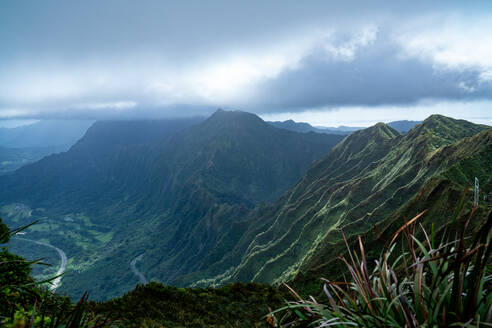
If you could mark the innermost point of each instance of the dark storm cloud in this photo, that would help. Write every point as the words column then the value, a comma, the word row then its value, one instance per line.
column 376, row 76
column 125, row 58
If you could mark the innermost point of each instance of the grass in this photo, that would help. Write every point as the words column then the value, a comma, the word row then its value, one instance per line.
column 429, row 283
column 81, row 239
column 25, row 303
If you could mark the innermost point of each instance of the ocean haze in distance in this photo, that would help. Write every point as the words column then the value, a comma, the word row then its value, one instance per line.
column 324, row 63
column 44, row 133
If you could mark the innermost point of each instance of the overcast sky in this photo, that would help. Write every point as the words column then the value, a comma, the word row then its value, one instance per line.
column 314, row 61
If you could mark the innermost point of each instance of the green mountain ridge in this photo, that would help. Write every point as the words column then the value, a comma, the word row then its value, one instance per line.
column 193, row 208
column 216, row 201
column 171, row 198
column 360, row 183
column 213, row 174
column 439, row 196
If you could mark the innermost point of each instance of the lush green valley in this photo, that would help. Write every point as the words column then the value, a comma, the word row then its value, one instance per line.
column 211, row 202
column 359, row 184
column 127, row 187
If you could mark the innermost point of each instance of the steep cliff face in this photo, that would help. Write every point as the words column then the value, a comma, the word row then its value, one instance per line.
column 361, row 182
column 169, row 189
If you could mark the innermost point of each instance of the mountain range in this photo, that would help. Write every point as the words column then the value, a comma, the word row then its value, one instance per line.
column 195, row 202
column 401, row 126
column 129, row 186
column 29, row 143
column 45, row 133
column 360, row 183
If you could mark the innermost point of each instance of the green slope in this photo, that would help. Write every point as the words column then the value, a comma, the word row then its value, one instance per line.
column 205, row 179
column 235, row 305
column 135, row 188
column 13, row 158
column 360, row 183
column 439, row 196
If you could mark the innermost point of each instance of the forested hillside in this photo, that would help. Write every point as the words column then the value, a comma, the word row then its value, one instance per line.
column 169, row 190
column 359, row 184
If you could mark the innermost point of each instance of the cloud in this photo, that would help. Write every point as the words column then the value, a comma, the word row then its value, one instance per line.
column 376, row 74
column 119, row 59
column 119, row 105
column 450, row 41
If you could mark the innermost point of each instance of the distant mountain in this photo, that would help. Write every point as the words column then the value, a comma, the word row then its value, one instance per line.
column 296, row 126
column 400, row 126
column 88, row 171
column 233, row 198
column 306, row 127
column 131, row 188
column 13, row 158
column 403, row 126
column 27, row 144
column 363, row 181
column 45, row 133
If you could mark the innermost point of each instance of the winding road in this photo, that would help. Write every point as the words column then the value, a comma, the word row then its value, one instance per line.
column 63, row 265
column 63, row 258
column 139, row 274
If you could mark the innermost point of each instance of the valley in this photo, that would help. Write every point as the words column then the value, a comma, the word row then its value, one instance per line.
column 214, row 173
column 256, row 164
column 206, row 210
column 200, row 203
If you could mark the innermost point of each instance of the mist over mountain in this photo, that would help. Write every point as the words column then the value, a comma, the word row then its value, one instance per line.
column 222, row 199
column 360, row 183
column 345, row 181
column 198, row 202
column 45, row 133
column 169, row 189
column 27, row 144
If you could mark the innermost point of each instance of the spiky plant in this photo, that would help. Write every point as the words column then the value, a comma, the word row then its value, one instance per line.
column 428, row 284
column 25, row 303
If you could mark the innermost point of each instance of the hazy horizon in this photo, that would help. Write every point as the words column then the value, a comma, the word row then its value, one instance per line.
column 323, row 63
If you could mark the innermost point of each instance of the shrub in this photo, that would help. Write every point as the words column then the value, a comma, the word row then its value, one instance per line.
column 427, row 284
column 24, row 303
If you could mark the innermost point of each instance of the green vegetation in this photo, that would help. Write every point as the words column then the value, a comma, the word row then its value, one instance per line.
column 156, row 305
column 365, row 180
column 186, row 206
column 75, row 233
column 434, row 281
column 25, row 303
column 191, row 200
column 166, row 189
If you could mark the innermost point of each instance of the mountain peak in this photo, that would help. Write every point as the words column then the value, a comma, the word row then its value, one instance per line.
column 442, row 130
column 235, row 118
column 379, row 130
column 440, row 119
column 378, row 138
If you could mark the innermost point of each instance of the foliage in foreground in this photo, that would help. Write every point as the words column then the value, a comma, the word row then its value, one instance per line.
column 156, row 305
column 25, row 303
column 429, row 284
